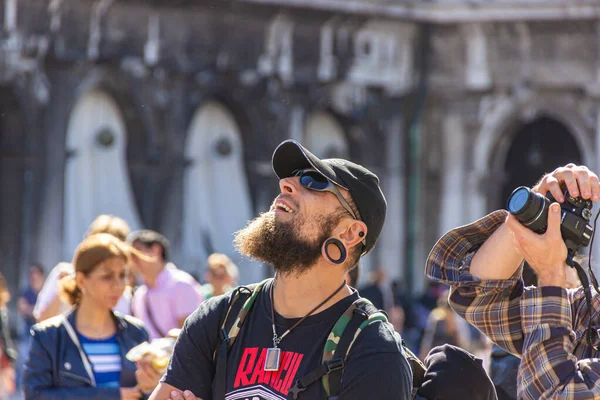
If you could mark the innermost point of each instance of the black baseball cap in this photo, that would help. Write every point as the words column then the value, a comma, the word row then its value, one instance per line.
column 454, row 373
column 363, row 185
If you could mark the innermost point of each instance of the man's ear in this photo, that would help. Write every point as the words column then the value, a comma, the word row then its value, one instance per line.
column 156, row 250
column 354, row 234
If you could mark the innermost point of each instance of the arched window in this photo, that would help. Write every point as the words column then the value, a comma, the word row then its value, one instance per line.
column 538, row 147
column 217, row 201
column 96, row 181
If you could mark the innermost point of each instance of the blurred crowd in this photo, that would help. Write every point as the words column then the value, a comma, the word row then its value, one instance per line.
column 424, row 321
column 162, row 296
column 158, row 293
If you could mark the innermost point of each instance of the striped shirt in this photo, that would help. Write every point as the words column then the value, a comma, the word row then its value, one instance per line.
column 105, row 357
column 544, row 326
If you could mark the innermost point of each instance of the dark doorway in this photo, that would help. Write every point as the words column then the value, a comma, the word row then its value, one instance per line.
column 538, row 147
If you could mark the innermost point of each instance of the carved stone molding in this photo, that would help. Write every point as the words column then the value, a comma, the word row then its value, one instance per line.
column 384, row 56
column 477, row 73
column 278, row 57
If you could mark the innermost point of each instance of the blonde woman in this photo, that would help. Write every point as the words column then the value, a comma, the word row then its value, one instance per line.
column 221, row 275
column 82, row 354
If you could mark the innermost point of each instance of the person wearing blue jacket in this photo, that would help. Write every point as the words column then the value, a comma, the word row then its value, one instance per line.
column 81, row 355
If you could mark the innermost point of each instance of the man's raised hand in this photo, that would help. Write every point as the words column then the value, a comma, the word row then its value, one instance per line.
column 546, row 253
column 578, row 179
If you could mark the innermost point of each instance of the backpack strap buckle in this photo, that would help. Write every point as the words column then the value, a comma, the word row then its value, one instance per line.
column 296, row 389
column 334, row 365
column 313, row 376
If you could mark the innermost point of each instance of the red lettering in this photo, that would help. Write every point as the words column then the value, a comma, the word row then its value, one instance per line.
column 245, row 367
column 289, row 376
column 259, row 368
column 287, row 368
column 251, row 370
column 276, row 381
column 266, row 377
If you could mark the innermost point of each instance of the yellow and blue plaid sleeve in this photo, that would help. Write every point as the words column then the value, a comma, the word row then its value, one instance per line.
column 549, row 367
column 544, row 326
column 491, row 306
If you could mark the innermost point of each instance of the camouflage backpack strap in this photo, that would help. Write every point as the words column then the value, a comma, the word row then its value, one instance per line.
column 347, row 328
column 366, row 309
column 230, row 328
column 356, row 317
column 335, row 343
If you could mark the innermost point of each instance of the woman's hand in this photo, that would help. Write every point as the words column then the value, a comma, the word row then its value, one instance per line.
column 147, row 377
column 131, row 393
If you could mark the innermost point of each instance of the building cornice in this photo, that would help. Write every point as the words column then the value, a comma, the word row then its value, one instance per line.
column 451, row 11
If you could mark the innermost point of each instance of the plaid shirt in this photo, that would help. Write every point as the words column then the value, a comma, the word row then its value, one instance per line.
column 544, row 326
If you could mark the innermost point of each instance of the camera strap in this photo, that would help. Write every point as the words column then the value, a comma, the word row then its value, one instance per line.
column 594, row 281
column 593, row 336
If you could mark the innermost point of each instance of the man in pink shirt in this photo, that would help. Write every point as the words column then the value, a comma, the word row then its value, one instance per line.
column 168, row 295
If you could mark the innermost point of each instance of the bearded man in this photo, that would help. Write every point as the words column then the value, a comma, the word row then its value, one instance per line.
column 329, row 213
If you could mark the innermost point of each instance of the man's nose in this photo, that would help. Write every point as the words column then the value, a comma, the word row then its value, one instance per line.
column 287, row 185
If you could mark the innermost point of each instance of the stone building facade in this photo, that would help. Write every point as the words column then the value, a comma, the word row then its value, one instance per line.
column 167, row 113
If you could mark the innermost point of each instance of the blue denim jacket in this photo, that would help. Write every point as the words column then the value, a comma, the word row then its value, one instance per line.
column 55, row 368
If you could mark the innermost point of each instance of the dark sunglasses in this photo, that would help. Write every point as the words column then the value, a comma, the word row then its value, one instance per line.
column 314, row 180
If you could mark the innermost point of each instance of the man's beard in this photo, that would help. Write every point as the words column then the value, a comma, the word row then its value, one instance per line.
column 280, row 244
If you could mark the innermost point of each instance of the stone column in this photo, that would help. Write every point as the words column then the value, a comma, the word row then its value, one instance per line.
column 454, row 177
column 49, row 227
column 392, row 240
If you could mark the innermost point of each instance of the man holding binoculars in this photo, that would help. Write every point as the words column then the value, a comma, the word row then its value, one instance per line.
column 548, row 326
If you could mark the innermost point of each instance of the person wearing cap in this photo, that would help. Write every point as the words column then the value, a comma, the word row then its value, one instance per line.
column 545, row 325
column 329, row 213
column 81, row 355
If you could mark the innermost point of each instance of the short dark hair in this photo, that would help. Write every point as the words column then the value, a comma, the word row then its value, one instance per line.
column 38, row 267
column 149, row 238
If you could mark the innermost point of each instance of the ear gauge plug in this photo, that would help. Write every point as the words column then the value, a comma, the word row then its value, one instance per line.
column 361, row 234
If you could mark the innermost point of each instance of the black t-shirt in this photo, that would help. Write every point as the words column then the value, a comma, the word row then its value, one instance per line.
column 375, row 368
